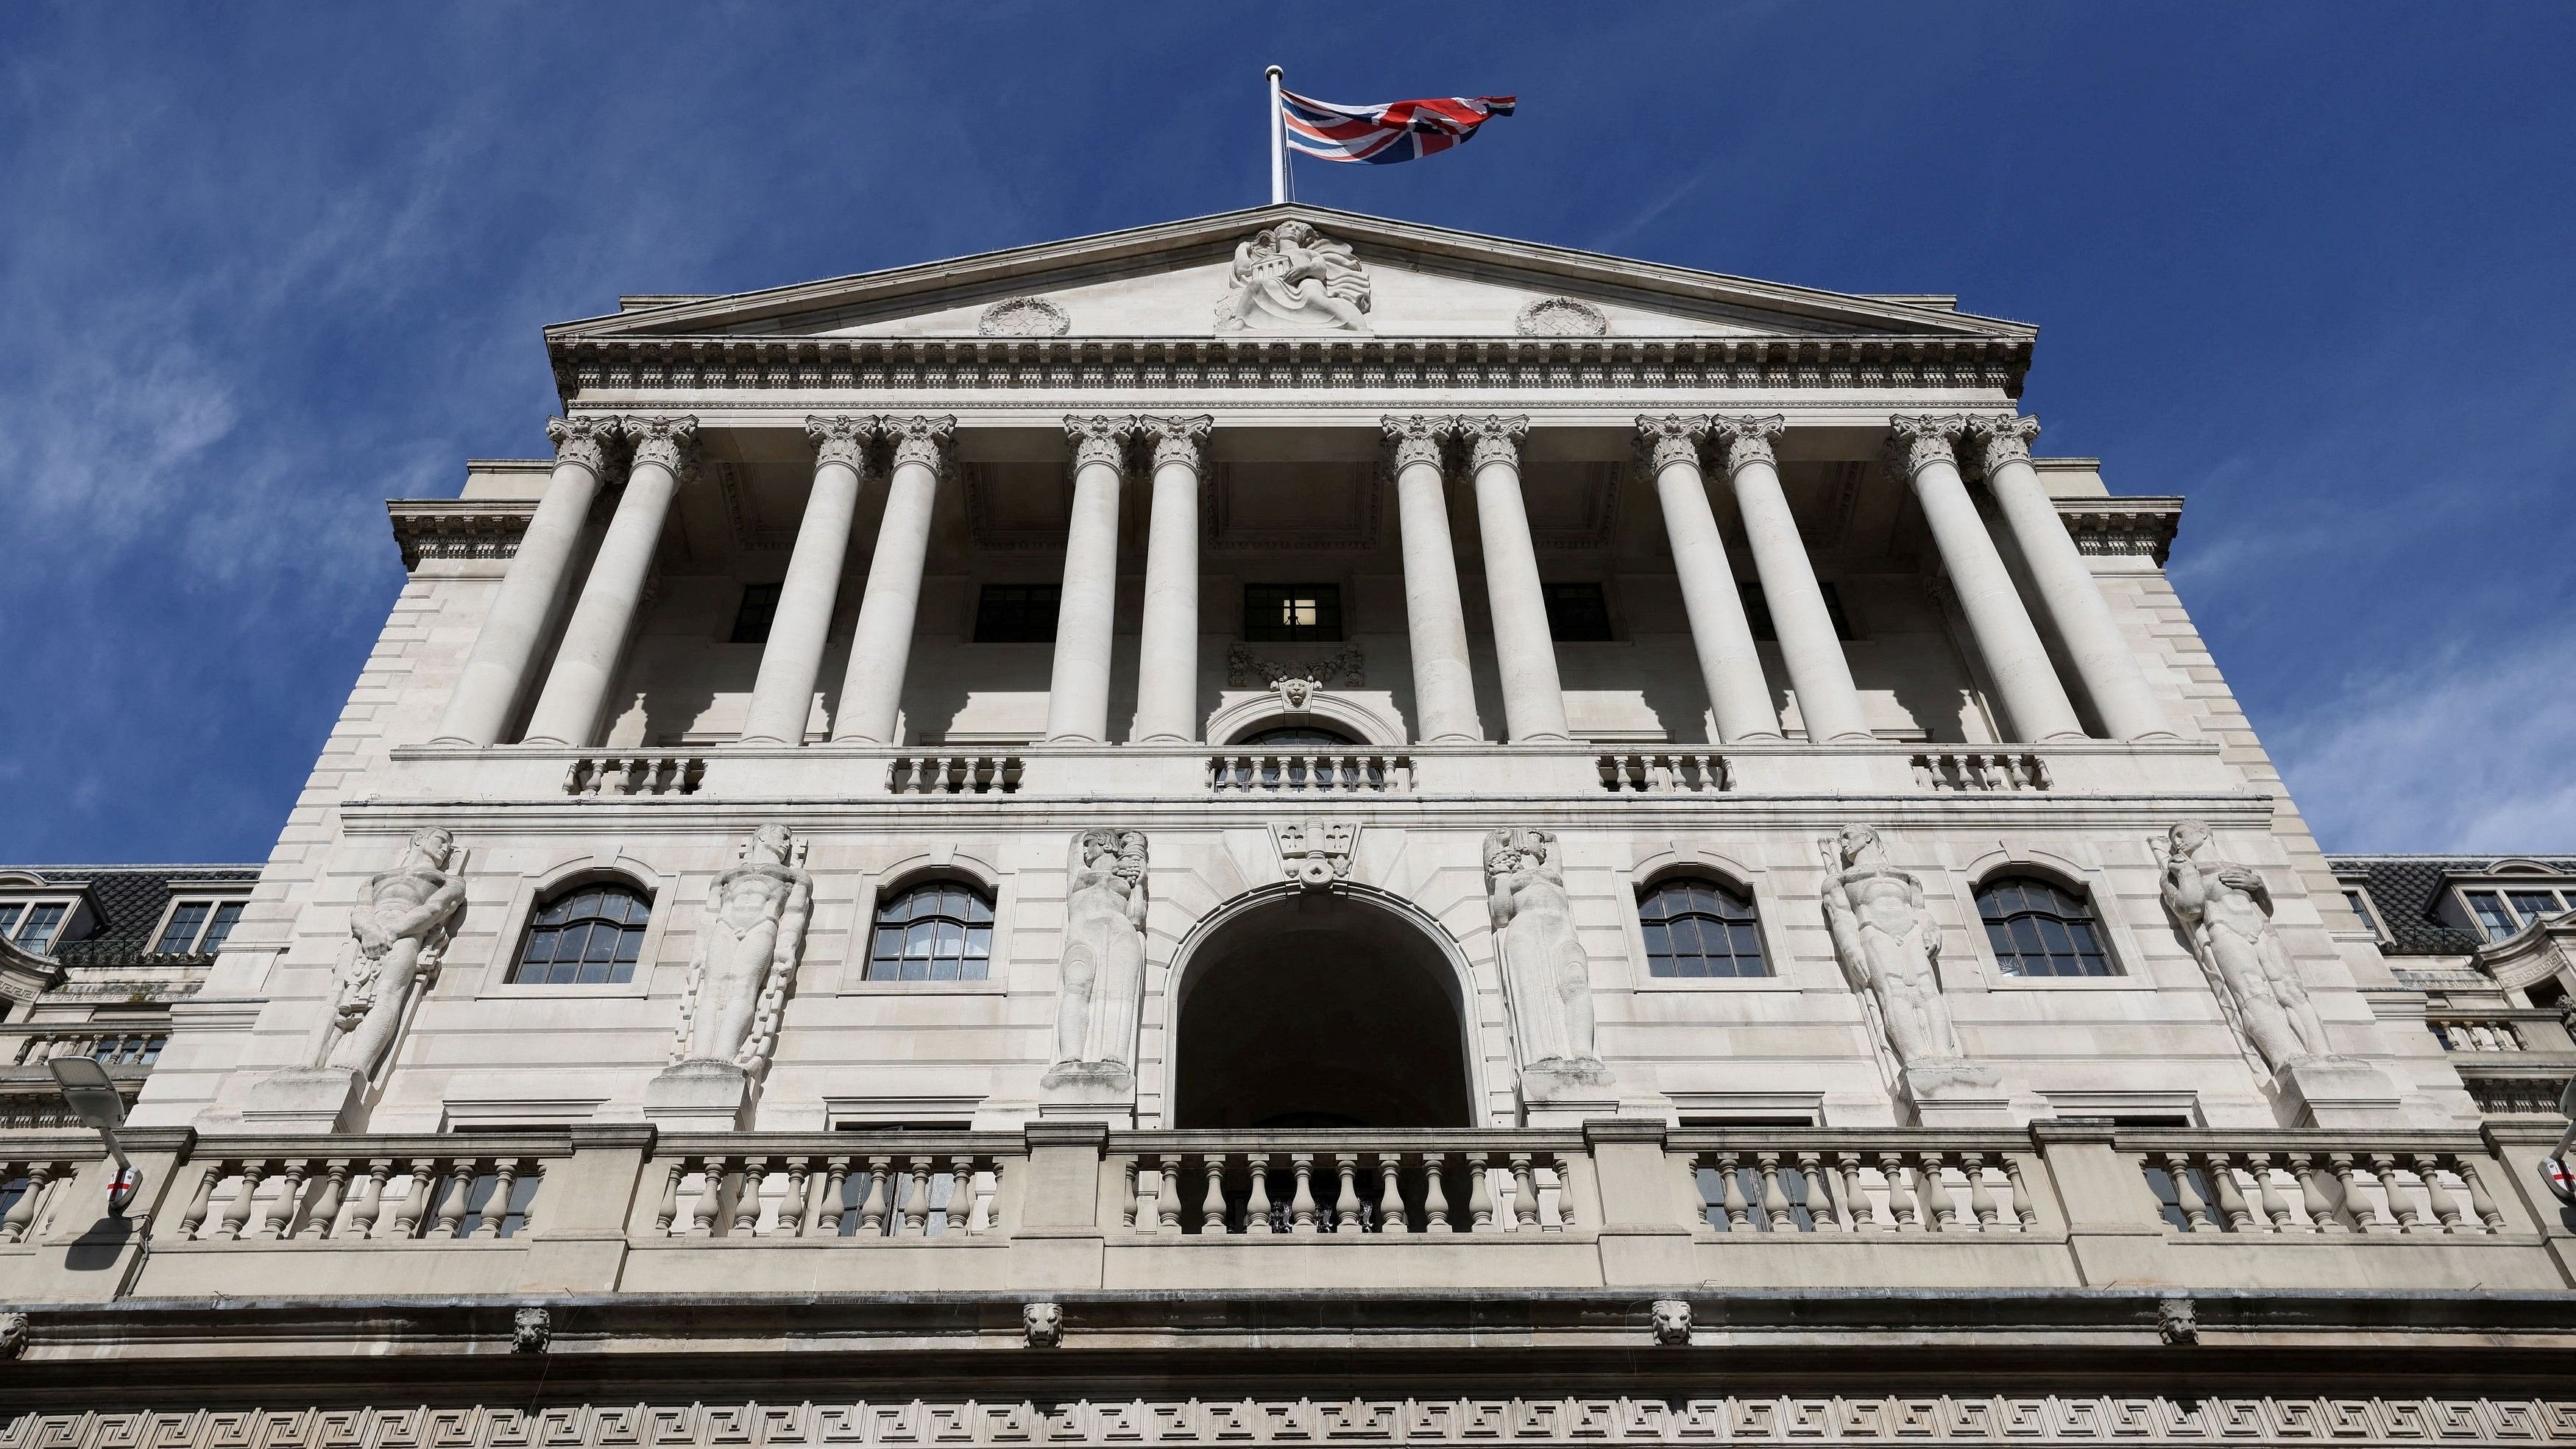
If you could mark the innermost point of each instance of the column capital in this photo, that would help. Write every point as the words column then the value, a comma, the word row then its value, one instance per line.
column 584, row 441
column 919, row 439
column 1915, row 443
column 1672, row 438
column 1176, row 440
column 841, row 439
column 1492, row 439
column 1099, row 440
column 2005, row 437
column 1416, row 439
column 1746, row 438
column 669, row 442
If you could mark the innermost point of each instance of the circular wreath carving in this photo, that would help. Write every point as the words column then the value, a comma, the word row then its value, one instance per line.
column 1562, row 317
column 1023, row 317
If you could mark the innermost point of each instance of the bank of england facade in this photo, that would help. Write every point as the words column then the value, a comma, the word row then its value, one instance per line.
column 1292, row 827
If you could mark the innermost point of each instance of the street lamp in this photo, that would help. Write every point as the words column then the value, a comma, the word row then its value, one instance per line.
column 95, row 1100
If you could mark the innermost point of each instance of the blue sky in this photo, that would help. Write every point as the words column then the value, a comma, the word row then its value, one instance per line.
column 263, row 267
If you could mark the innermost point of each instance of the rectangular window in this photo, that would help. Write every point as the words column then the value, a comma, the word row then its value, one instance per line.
column 751, row 617
column 186, row 920
column 2360, row 904
column 35, row 930
column 228, row 914
column 1577, row 613
column 1017, row 613
column 2533, row 905
column 2493, row 918
column 1757, row 612
column 1292, row 613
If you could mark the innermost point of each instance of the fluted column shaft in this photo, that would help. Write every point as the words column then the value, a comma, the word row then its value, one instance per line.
column 1524, row 646
column 881, row 641
column 2067, row 589
column 1828, row 704
column 1078, row 691
column 1444, row 689
column 782, row 697
column 1730, row 665
column 1167, row 664
column 2034, row 698
column 568, row 709
column 496, row 672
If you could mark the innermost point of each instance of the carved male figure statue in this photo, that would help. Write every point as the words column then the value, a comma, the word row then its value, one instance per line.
column 1102, row 980
column 1545, row 975
column 1889, row 946
column 1294, row 275
column 398, row 933
column 2227, row 909
column 748, row 940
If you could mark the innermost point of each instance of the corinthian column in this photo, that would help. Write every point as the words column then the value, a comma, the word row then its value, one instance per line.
column 1524, row 648
column 1827, row 702
column 1730, row 666
column 1078, row 693
column 585, row 665
column 782, row 698
column 2067, row 589
column 1167, row 665
column 1444, row 692
column 881, row 642
column 2033, row 697
column 496, row 672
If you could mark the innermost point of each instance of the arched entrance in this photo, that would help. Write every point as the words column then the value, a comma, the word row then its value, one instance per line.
column 1320, row 1009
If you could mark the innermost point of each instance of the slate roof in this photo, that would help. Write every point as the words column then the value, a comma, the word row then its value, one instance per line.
column 127, row 902
column 2405, row 889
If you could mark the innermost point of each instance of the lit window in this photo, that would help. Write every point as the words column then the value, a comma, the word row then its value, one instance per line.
column 2037, row 929
column 1697, row 927
column 32, row 924
column 1577, row 613
column 752, row 616
column 1017, row 613
column 2502, row 912
column 937, row 931
column 1292, row 613
column 198, row 927
column 588, row 936
column 1757, row 612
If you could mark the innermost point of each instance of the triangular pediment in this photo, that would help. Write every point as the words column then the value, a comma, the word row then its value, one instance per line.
column 1194, row 279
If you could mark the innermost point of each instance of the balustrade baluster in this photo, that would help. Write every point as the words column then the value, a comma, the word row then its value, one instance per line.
column 2313, row 1205
column 21, row 1217
column 1480, row 1193
column 1256, row 1210
column 745, row 1177
column 1524, row 1193
column 836, row 1178
column 874, row 1209
column 709, row 1204
column 2276, row 1212
column 326, row 1205
column 1857, row 1207
column 1133, row 1214
column 961, row 1196
column 916, row 1199
column 496, row 1208
column 1346, row 1203
column 2446, row 1208
column 277, row 1216
column 1821, row 1214
column 1167, row 1196
column 228, row 1228
column 2365, row 1219
column 1212, row 1200
column 194, row 1218
column 1730, row 1194
column 794, row 1209
column 2195, row 1213
column 2401, row 1205
column 414, row 1208
column 1900, row 1199
column 667, row 1210
column 2025, row 1212
column 451, row 1208
column 2489, row 1214
column 1932, row 1191
column 370, row 1206
column 1390, row 1196
column 2222, row 1183
column 1981, row 1198
column 1775, row 1203
column 1301, row 1206
column 1435, row 1194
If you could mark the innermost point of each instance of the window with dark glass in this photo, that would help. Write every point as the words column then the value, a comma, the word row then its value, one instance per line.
column 1017, row 613
column 32, row 924
column 1698, row 927
column 2501, row 912
column 187, row 919
column 1576, row 613
column 1757, row 612
column 752, row 616
column 587, row 936
column 940, row 930
column 227, row 915
column 1292, row 613
column 2037, row 929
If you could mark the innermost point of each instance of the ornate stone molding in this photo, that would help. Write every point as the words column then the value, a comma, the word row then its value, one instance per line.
column 1561, row 317
column 2122, row 526
column 1344, row 668
column 922, row 439
column 1747, row 439
column 842, row 439
column 1316, row 853
column 1671, row 439
column 458, row 528
column 1492, row 439
column 1023, row 317
column 668, row 442
column 2003, row 439
column 1293, row 276
column 1416, row 439
column 1098, row 441
column 583, row 440
column 1916, row 443
column 1177, row 440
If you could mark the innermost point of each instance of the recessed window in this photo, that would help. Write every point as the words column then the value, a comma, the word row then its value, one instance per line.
column 1577, row 613
column 1017, row 613
column 752, row 616
column 2359, row 900
column 1697, row 927
column 940, row 930
column 2501, row 911
column 32, row 925
column 1757, row 612
column 1292, row 613
column 587, row 936
column 2037, row 929
column 198, row 927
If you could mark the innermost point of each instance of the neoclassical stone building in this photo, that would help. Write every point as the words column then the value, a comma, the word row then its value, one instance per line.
column 1295, row 827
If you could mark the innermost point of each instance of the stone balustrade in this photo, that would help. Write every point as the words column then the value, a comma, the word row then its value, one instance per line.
column 1183, row 1184
column 1977, row 771
column 2312, row 1186
column 1269, row 772
column 932, row 1189
column 1665, row 774
column 1893, row 1187
column 924, row 774
column 2474, row 1034
column 593, row 775
column 110, row 1047
column 355, row 1196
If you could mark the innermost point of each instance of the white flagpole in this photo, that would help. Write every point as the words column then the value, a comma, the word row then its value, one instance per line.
column 1278, row 144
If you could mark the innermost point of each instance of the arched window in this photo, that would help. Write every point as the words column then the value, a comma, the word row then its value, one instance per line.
column 1697, row 927
column 587, row 936
column 1297, row 735
column 939, row 930
column 2039, row 929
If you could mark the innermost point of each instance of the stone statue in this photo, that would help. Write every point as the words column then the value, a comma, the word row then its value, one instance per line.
column 398, row 933
column 1289, row 276
column 1545, row 975
column 748, row 940
column 1890, row 948
column 1102, row 981
column 2227, row 911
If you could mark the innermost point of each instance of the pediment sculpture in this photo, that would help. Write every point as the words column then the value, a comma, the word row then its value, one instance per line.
column 1292, row 278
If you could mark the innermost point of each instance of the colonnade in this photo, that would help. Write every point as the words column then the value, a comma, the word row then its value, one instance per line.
column 1922, row 449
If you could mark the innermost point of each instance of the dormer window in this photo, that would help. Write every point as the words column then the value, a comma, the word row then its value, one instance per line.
column 197, row 927
column 2502, row 911
column 33, row 925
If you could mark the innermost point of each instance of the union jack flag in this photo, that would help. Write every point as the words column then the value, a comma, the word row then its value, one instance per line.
column 1396, row 131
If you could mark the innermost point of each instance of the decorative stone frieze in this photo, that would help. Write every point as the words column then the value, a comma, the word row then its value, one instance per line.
column 1023, row 317
column 426, row 529
column 1291, row 276
column 1100, row 982
column 1344, row 668
column 1561, row 317
column 1889, row 946
column 2122, row 526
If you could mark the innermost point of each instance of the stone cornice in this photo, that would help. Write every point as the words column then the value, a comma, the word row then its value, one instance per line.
column 427, row 528
column 809, row 364
column 2141, row 526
